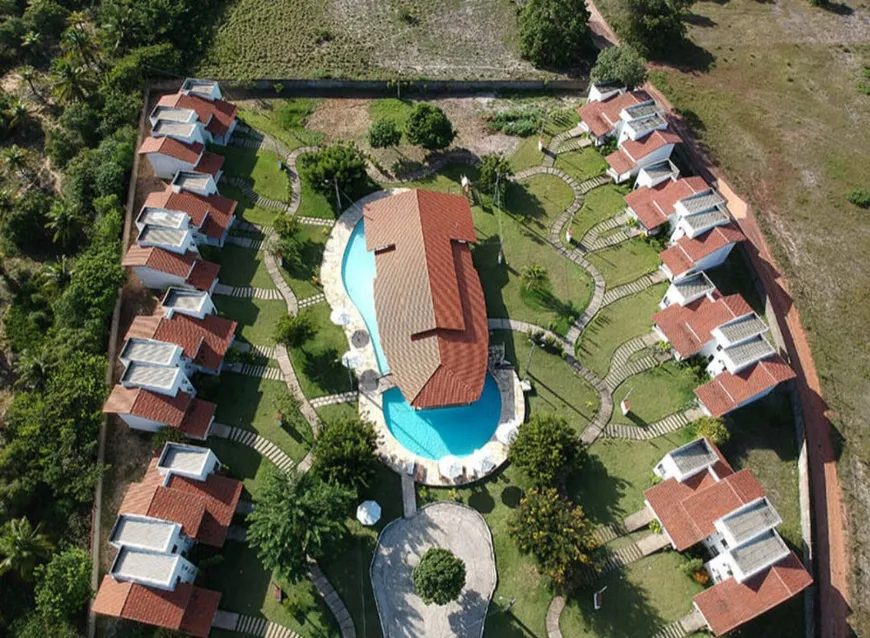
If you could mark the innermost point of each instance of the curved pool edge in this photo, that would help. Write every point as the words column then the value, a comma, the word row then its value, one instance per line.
column 396, row 456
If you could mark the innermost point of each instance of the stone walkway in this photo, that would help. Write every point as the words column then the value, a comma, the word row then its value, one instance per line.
column 689, row 624
column 334, row 399
column 262, row 627
column 256, row 370
column 554, row 611
column 403, row 542
column 247, row 242
column 247, row 292
column 669, row 424
column 593, row 239
column 312, row 300
column 409, row 495
column 253, row 196
column 621, row 367
column 264, row 446
column 316, row 221
column 293, row 174
column 634, row 287
column 332, row 599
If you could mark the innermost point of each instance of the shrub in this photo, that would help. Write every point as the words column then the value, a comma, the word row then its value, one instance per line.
column 622, row 64
column 64, row 585
column 287, row 226
column 384, row 133
column 341, row 164
column 546, row 449
column 555, row 33
column 713, row 428
column 344, row 452
column 429, row 127
column 859, row 197
column 294, row 330
column 520, row 123
column 166, row 435
column 440, row 576
column 494, row 170
column 655, row 527
column 692, row 565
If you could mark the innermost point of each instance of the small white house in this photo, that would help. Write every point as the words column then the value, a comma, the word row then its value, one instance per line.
column 193, row 303
column 639, row 120
column 179, row 241
column 190, row 461
column 604, row 90
column 690, row 255
column 205, row 89
column 164, row 380
column 159, row 269
column 699, row 213
column 149, row 534
column 157, row 570
column 654, row 174
column 626, row 162
column 687, row 290
column 198, row 183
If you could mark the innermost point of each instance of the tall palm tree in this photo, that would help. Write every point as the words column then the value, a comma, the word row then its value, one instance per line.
column 32, row 370
column 56, row 276
column 29, row 74
column 23, row 547
column 80, row 42
column 534, row 277
column 16, row 160
column 31, row 41
column 64, row 222
column 15, row 114
column 72, row 82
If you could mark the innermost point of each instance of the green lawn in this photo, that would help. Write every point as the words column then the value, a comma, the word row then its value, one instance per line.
column 392, row 109
column 317, row 363
column 655, row 394
column 260, row 168
column 329, row 413
column 527, row 154
column 625, row 262
column 245, row 209
column 299, row 276
column 242, row 267
column 583, row 164
column 257, row 318
column 314, row 204
column 557, row 389
column 614, row 325
column 284, row 120
column 599, row 204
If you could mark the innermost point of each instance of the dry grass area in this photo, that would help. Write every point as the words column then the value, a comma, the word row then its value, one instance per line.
column 781, row 112
column 453, row 39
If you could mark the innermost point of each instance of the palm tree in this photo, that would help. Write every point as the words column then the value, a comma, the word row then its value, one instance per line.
column 534, row 277
column 23, row 547
column 64, row 221
column 16, row 159
column 72, row 82
column 29, row 74
column 56, row 276
column 82, row 43
column 32, row 370
column 31, row 41
column 15, row 114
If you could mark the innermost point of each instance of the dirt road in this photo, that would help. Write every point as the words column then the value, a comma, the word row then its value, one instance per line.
column 830, row 543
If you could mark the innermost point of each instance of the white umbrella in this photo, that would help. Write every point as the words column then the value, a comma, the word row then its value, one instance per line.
column 450, row 467
column 340, row 317
column 507, row 432
column 481, row 462
column 352, row 359
column 368, row 512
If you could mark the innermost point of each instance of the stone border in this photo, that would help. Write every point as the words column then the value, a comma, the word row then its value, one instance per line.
column 393, row 453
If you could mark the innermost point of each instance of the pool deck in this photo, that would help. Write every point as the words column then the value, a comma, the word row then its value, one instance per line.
column 393, row 453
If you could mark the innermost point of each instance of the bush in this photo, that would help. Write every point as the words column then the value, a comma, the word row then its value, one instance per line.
column 655, row 527
column 494, row 169
column 166, row 435
column 64, row 585
column 294, row 330
column 343, row 164
column 287, row 226
column 439, row 577
column 713, row 428
column 546, row 450
column 429, row 127
column 692, row 566
column 859, row 197
column 622, row 64
column 384, row 133
column 555, row 33
column 344, row 452
column 521, row 123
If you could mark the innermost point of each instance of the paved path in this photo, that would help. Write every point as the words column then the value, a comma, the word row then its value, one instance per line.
column 554, row 611
column 634, row 287
column 332, row 599
column 669, row 424
column 251, row 439
column 248, row 292
column 409, row 495
column 316, row 221
column 593, row 239
column 333, row 399
column 247, row 242
column 253, row 196
column 403, row 542
column 257, row 626
column 687, row 625
column 312, row 300
column 295, row 185
column 257, row 370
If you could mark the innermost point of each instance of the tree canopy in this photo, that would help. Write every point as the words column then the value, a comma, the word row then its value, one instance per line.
column 429, row 127
column 384, row 133
column 622, row 64
column 439, row 577
column 546, row 449
column 64, row 585
column 494, row 169
column 344, row 452
column 341, row 164
column 555, row 33
column 653, row 27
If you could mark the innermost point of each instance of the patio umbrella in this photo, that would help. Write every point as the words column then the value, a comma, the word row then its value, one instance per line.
column 368, row 512
column 368, row 380
column 481, row 462
column 450, row 467
column 340, row 316
column 507, row 432
column 352, row 359
column 359, row 339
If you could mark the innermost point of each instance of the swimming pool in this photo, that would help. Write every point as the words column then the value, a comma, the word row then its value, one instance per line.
column 427, row 433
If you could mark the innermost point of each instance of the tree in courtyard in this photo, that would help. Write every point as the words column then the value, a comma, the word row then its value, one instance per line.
column 294, row 330
column 23, row 547
column 546, row 450
column 296, row 517
column 64, row 585
column 534, row 277
column 713, row 428
column 555, row 33
column 622, row 64
column 429, row 127
column 344, row 452
column 556, row 532
column 494, row 169
column 384, row 133
column 439, row 577
column 287, row 407
column 653, row 27
column 341, row 165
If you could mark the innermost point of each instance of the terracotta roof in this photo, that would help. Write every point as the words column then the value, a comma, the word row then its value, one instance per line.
column 729, row 604
column 213, row 214
column 204, row 509
column 428, row 296
column 191, row 416
column 198, row 418
column 601, row 117
column 689, row 327
column 688, row 510
column 620, row 162
column 205, row 341
column 160, row 259
column 210, row 163
column 637, row 149
column 189, row 152
column 683, row 255
column 728, row 391
column 203, row 274
column 188, row 608
column 218, row 115
column 654, row 205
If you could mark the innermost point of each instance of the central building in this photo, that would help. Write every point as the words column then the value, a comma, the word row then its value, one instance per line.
column 429, row 302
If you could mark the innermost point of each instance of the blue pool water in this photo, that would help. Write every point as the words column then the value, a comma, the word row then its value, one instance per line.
column 427, row 433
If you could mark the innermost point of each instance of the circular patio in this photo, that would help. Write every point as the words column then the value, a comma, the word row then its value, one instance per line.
column 401, row 545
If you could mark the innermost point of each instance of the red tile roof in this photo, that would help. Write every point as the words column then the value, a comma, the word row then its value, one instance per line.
column 729, row 604
column 637, row 149
column 188, row 152
column 188, row 608
column 220, row 496
column 688, row 510
column 689, row 327
column 620, row 162
column 183, row 412
column 210, row 163
column 218, row 115
column 203, row 275
column 654, row 205
column 434, row 333
column 683, row 255
column 601, row 117
column 205, row 341
column 729, row 391
column 160, row 259
column 212, row 213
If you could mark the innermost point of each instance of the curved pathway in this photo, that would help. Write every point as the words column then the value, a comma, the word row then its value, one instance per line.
column 295, row 185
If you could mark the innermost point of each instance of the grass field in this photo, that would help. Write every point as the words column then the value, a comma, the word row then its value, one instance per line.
column 599, row 204
column 317, row 362
column 299, row 276
column 242, row 267
column 583, row 164
column 655, row 394
column 259, row 168
column 384, row 39
column 257, row 318
column 625, row 262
